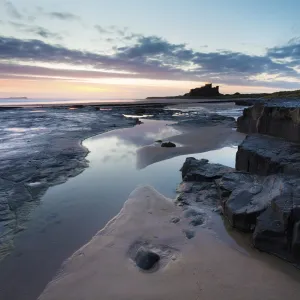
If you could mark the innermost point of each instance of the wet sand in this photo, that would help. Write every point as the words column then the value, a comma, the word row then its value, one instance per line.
column 198, row 268
column 190, row 140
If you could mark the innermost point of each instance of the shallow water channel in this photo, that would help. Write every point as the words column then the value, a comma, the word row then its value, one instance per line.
column 71, row 213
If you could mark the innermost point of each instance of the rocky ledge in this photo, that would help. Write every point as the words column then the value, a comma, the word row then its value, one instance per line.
column 276, row 120
column 265, row 155
column 267, row 206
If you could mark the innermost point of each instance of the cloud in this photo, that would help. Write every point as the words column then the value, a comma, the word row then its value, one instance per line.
column 64, row 16
column 152, row 58
column 12, row 10
column 289, row 53
column 120, row 33
column 36, row 30
column 101, row 29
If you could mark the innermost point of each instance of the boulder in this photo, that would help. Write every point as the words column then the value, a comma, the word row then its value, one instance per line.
column 146, row 259
column 168, row 144
column 201, row 170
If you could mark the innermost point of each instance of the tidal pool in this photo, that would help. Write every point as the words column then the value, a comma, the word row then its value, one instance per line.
column 71, row 213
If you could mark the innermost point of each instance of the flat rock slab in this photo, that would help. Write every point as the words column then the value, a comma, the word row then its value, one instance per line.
column 264, row 155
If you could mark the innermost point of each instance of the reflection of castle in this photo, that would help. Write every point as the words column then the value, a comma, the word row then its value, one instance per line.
column 204, row 91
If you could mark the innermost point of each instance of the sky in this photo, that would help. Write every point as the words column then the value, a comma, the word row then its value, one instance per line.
column 131, row 49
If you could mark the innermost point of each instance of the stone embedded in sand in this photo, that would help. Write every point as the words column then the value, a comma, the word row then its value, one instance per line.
column 189, row 233
column 168, row 145
column 193, row 212
column 146, row 259
column 198, row 220
column 175, row 220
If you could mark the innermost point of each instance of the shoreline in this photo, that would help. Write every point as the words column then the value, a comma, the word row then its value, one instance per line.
column 45, row 212
column 159, row 102
column 198, row 267
column 35, row 183
column 202, row 131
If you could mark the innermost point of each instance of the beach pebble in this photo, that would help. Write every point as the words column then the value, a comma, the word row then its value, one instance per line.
column 175, row 220
column 189, row 233
column 146, row 259
column 168, row 144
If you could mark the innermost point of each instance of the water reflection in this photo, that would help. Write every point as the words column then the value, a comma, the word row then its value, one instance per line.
column 118, row 155
column 71, row 213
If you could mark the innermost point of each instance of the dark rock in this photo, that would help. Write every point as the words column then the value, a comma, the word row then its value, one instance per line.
column 158, row 141
column 296, row 241
column 138, row 121
column 189, row 233
column 247, row 201
column 198, row 220
column 266, row 155
column 276, row 121
column 193, row 212
column 146, row 259
column 202, row 170
column 270, row 235
column 210, row 119
column 268, row 206
column 175, row 220
column 168, row 144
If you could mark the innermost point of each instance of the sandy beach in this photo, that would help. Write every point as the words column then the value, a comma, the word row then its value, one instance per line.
column 198, row 268
column 195, row 261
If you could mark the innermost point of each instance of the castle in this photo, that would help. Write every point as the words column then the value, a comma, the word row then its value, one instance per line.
column 204, row 91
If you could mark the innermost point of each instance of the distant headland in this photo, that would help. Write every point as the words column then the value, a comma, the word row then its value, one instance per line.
column 14, row 98
column 208, row 91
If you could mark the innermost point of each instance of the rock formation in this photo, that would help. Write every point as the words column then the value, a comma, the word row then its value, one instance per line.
column 264, row 155
column 267, row 206
column 278, row 121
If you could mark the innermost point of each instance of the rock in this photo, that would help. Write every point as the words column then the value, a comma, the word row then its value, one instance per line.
column 269, row 234
column 193, row 212
column 198, row 220
column 168, row 144
column 266, row 155
column 138, row 121
column 175, row 220
column 189, row 233
column 210, row 119
column 146, row 259
column 268, row 206
column 158, row 141
column 278, row 121
column 202, row 170
column 296, row 241
column 247, row 201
